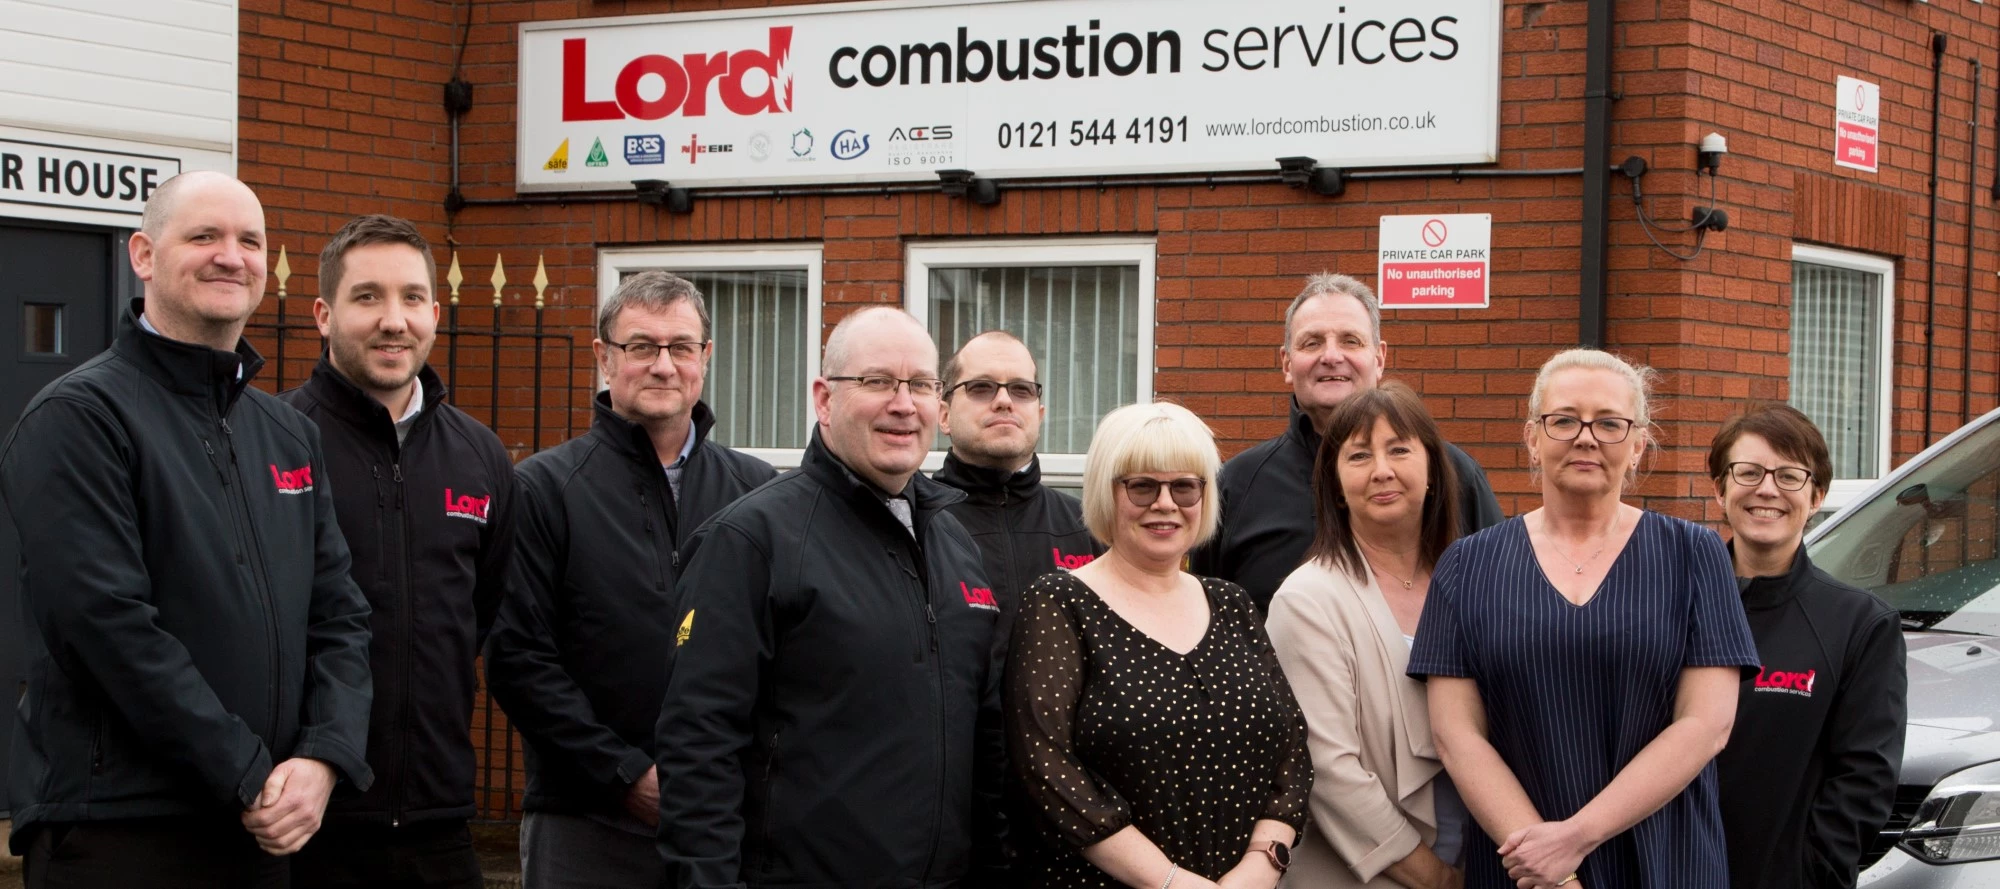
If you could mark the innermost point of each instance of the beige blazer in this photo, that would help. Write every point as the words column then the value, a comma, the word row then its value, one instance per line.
column 1369, row 729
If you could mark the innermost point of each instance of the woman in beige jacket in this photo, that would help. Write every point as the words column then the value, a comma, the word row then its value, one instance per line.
column 1383, row 813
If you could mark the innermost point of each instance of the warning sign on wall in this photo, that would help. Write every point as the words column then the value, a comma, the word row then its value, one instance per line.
column 1857, row 123
column 1435, row 262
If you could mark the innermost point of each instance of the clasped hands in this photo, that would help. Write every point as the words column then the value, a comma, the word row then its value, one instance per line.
column 1543, row 856
column 288, row 810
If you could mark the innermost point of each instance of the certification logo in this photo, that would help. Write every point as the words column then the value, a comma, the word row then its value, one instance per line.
column 847, row 145
column 596, row 157
column 695, row 148
column 559, row 161
column 759, row 147
column 802, row 145
column 645, row 149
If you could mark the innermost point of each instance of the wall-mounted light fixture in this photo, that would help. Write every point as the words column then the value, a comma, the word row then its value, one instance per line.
column 1306, row 173
column 1703, row 218
column 656, row 193
column 964, row 184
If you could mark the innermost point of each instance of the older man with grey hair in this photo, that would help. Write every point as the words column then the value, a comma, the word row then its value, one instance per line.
column 832, row 715
column 577, row 654
column 1333, row 348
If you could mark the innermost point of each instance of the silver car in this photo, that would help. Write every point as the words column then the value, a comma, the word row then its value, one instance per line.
column 1927, row 540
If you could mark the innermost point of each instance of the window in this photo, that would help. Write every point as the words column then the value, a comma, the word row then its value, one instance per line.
column 42, row 328
column 1085, row 309
column 1841, row 348
column 764, row 305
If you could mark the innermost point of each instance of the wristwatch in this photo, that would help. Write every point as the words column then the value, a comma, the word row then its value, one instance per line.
column 1280, row 855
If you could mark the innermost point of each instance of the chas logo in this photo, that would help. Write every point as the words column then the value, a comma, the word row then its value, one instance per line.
column 685, row 84
column 292, row 481
column 848, row 146
column 467, row 506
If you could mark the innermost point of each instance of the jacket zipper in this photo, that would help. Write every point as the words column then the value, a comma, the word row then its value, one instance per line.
column 937, row 707
column 254, row 555
column 408, row 645
column 770, row 792
column 659, row 570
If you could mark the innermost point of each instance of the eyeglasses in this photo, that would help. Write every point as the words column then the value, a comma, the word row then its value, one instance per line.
column 1606, row 430
column 1144, row 492
column 982, row 391
column 688, row 352
column 920, row 387
column 1750, row 475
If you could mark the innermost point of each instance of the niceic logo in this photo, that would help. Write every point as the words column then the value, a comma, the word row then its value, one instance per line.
column 978, row 597
column 686, row 82
column 467, row 506
column 1790, row 683
column 292, row 481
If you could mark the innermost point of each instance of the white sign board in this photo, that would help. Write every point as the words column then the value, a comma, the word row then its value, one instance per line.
column 47, row 175
column 1857, row 124
column 874, row 91
column 1435, row 262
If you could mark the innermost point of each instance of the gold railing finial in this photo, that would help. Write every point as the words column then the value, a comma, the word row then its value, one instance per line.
column 284, row 270
column 541, row 278
column 499, row 280
column 454, row 277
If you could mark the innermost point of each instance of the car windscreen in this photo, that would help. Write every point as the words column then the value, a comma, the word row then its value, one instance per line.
column 1929, row 545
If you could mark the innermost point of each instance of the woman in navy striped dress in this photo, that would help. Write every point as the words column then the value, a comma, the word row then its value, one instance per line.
column 1583, row 661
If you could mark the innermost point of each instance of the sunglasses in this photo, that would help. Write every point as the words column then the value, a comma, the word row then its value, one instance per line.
column 1143, row 492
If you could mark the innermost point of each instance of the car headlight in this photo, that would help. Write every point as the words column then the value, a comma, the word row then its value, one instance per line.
column 1960, row 820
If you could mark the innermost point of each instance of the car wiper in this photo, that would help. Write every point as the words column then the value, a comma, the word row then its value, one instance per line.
column 1910, row 623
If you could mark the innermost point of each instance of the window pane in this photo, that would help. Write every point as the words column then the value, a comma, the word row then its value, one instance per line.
column 41, row 329
column 1837, row 362
column 757, row 378
column 1081, row 323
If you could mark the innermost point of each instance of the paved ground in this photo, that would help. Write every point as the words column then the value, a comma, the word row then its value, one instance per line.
column 499, row 856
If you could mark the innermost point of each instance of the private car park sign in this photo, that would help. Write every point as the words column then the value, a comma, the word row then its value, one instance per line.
column 898, row 89
column 1435, row 262
column 1857, row 123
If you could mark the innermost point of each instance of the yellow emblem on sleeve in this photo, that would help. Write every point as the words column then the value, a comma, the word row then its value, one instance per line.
column 687, row 628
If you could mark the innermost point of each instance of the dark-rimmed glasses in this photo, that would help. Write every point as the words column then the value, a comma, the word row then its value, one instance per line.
column 1606, row 430
column 1143, row 492
column 882, row 384
column 1750, row 475
column 686, row 352
column 982, row 391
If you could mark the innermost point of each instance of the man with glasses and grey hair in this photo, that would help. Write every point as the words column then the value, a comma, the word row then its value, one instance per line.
column 577, row 654
column 1333, row 348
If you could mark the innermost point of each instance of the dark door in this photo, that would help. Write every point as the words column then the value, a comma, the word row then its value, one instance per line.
column 55, row 308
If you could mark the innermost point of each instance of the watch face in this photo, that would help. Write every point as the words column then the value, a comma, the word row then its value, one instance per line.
column 1283, row 853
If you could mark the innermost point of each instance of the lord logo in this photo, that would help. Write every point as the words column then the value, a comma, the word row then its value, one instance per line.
column 1071, row 563
column 467, row 506
column 1769, row 680
column 292, row 481
column 978, row 597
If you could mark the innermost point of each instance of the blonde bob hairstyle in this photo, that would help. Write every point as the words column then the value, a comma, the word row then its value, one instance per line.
column 1153, row 437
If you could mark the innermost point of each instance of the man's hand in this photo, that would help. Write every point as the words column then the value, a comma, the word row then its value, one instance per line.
column 288, row 812
column 643, row 800
column 1541, row 855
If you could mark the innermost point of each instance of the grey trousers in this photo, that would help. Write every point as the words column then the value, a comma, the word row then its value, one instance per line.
column 588, row 852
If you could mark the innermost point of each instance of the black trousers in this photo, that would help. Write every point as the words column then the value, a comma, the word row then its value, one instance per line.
column 437, row 855
column 151, row 853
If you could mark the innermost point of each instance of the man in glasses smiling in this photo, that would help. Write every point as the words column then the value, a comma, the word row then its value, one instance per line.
column 993, row 412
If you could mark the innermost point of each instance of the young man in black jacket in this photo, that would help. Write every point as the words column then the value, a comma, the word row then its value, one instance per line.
column 197, row 655
column 832, row 713
column 1810, row 769
column 425, row 497
column 993, row 411
column 1333, row 348
column 578, row 654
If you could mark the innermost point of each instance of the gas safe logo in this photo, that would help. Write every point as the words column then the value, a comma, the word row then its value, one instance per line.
column 747, row 81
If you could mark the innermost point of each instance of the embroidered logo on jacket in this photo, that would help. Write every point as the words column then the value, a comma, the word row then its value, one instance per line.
column 1071, row 563
column 687, row 629
column 978, row 597
column 1788, row 683
column 292, row 481
column 467, row 506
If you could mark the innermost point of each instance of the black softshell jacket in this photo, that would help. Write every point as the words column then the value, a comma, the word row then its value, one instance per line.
column 431, row 526
column 1811, row 765
column 1267, row 509
column 832, row 718
column 189, row 616
column 1024, row 530
column 578, row 653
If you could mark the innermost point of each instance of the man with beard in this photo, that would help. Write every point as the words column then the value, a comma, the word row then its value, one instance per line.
column 425, row 497
column 197, row 655
column 1333, row 348
column 832, row 713
column 578, row 656
column 993, row 412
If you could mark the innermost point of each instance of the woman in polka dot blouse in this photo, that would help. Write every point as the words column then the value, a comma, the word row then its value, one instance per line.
column 1154, row 739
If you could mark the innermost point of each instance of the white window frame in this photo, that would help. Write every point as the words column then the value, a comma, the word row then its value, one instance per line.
column 612, row 262
column 919, row 258
column 1841, row 491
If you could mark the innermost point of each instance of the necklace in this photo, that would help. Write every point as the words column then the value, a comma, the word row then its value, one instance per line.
column 1593, row 556
column 1407, row 584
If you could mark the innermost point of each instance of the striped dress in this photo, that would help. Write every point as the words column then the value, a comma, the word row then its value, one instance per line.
column 1574, row 692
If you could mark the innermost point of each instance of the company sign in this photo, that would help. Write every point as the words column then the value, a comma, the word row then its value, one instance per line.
column 47, row 175
column 1435, row 262
column 879, row 92
column 1857, row 123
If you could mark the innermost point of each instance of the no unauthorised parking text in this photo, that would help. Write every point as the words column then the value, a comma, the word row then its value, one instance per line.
column 1435, row 262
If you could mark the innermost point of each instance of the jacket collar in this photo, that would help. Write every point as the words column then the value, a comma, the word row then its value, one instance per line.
column 630, row 439
column 332, row 388
column 1300, row 429
column 926, row 497
column 987, row 486
column 1764, row 593
column 189, row 368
